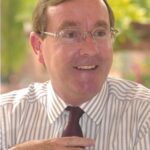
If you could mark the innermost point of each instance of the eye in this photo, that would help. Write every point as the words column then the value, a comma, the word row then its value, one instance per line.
column 70, row 34
column 99, row 33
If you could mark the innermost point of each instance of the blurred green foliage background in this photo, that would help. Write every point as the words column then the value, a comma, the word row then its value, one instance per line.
column 126, row 12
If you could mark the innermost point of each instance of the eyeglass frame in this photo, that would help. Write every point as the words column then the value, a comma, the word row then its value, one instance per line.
column 83, row 36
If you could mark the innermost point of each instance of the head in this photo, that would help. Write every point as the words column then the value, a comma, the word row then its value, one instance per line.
column 40, row 15
column 77, row 70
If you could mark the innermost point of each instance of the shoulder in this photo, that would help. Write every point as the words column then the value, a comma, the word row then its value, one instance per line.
column 32, row 93
column 133, row 98
column 128, row 90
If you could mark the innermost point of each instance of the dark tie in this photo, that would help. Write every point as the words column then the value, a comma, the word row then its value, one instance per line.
column 73, row 128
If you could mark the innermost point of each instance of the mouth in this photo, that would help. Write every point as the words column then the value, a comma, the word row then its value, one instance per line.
column 86, row 67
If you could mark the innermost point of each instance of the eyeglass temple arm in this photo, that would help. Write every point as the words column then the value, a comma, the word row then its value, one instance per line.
column 50, row 34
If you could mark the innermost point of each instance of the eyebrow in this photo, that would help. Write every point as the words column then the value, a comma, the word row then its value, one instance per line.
column 102, row 23
column 68, row 24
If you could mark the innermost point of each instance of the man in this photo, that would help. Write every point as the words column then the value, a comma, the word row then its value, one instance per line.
column 73, row 40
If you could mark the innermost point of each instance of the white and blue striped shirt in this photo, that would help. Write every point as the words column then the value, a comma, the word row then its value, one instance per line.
column 118, row 117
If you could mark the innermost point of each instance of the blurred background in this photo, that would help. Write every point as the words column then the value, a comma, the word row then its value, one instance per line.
column 19, row 65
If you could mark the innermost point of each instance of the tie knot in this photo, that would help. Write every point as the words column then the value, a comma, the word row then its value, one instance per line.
column 75, row 112
column 73, row 128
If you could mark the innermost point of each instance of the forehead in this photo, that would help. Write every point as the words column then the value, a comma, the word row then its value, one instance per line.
column 78, row 12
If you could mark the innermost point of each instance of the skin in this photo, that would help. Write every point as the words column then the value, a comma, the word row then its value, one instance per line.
column 74, row 86
column 65, row 143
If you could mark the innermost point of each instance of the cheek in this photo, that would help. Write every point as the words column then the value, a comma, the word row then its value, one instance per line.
column 57, row 57
column 105, row 51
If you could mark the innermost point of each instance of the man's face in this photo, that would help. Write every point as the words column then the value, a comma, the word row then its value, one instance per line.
column 78, row 70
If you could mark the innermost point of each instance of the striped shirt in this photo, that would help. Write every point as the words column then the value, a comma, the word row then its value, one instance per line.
column 118, row 117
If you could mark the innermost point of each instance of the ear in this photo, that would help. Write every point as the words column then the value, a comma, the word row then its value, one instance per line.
column 36, row 43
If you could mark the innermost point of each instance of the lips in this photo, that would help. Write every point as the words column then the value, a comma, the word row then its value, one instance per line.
column 86, row 67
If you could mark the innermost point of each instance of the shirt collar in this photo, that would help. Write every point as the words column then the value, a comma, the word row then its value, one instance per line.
column 94, row 108
column 55, row 105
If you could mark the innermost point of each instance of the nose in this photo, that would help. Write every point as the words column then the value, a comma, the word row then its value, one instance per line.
column 88, row 46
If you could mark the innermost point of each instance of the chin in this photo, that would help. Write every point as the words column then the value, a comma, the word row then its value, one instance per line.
column 89, row 89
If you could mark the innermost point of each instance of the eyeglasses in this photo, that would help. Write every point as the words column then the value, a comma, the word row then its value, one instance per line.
column 74, row 35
